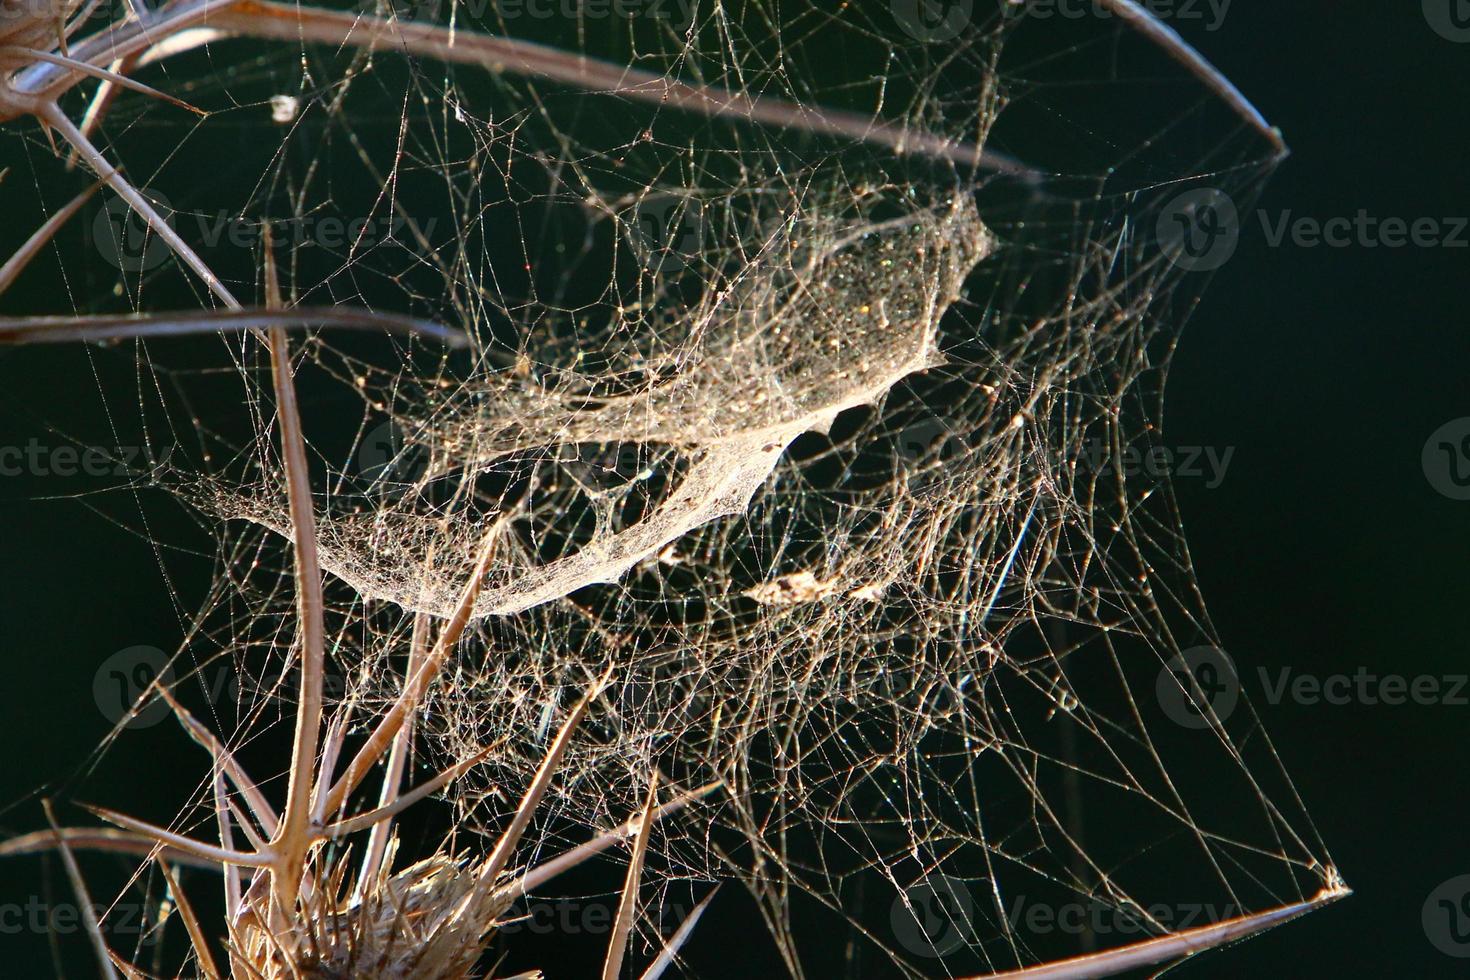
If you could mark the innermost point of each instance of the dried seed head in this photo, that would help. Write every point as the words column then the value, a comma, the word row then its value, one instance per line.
column 429, row 921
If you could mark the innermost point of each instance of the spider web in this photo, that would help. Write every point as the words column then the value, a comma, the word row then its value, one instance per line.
column 812, row 442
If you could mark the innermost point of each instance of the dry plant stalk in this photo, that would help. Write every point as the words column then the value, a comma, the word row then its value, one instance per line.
column 301, row 915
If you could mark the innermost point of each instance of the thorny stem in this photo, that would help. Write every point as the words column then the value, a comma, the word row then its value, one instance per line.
column 293, row 838
column 397, row 759
column 417, row 682
column 1148, row 24
column 1170, row 947
column 191, row 923
column 52, row 114
column 505, row 847
column 108, row 328
column 628, row 904
column 89, row 911
column 41, row 236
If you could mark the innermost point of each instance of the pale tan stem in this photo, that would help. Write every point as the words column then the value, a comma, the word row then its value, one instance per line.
column 102, row 839
column 33, row 245
column 259, row 806
column 53, row 115
column 1171, row 947
column 191, row 924
column 293, row 837
column 376, row 817
column 506, row 845
column 415, row 686
column 1147, row 23
column 87, row 68
column 676, row 942
column 377, row 847
column 110, row 327
column 101, row 101
column 278, row 21
column 547, row 870
column 89, row 913
column 208, row 852
column 617, row 947
column 222, row 807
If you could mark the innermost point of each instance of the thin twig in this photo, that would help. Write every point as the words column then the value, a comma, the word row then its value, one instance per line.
column 89, row 914
column 1174, row 946
column 105, row 329
column 628, row 903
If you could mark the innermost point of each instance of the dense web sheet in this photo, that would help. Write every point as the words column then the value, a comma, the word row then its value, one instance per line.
column 812, row 440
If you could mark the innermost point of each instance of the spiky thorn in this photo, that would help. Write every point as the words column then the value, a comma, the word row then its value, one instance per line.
column 260, row 807
column 670, row 952
column 417, row 683
column 89, row 913
column 499, row 858
column 1175, row 946
column 191, row 924
column 95, row 71
column 544, row 872
column 1147, row 23
column 101, row 839
column 51, row 113
column 628, row 905
column 372, row 861
column 32, row 247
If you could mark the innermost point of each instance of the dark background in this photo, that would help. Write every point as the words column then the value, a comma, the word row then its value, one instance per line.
column 1325, row 549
